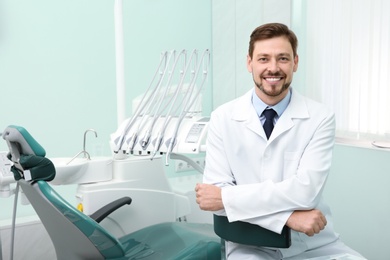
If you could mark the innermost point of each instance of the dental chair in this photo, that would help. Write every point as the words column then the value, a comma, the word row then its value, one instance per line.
column 78, row 236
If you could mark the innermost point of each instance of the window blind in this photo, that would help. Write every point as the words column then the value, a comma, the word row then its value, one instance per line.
column 346, row 58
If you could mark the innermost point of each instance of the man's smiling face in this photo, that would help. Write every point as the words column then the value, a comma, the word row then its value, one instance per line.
column 272, row 66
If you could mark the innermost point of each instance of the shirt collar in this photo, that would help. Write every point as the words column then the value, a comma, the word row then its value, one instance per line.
column 280, row 107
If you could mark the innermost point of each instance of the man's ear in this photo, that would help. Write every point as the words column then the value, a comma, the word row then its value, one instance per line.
column 249, row 63
column 296, row 59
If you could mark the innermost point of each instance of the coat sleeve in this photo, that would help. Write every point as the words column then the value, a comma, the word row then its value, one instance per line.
column 217, row 170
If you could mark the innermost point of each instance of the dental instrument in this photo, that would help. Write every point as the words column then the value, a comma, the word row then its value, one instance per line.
column 169, row 114
column 159, row 103
column 186, row 110
column 148, row 95
column 149, row 107
column 169, row 110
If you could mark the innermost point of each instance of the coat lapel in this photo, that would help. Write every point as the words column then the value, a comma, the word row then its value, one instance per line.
column 245, row 112
column 297, row 109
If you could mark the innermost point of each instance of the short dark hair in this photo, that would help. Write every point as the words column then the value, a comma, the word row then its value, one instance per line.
column 271, row 30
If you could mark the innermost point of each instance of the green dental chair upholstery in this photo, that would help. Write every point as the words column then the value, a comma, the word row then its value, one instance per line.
column 77, row 236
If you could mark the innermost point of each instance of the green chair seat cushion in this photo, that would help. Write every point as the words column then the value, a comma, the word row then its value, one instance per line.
column 177, row 240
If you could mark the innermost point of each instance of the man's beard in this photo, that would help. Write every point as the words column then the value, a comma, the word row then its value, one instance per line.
column 272, row 94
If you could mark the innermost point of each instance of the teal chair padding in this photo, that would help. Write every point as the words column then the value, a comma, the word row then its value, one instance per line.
column 77, row 236
column 20, row 141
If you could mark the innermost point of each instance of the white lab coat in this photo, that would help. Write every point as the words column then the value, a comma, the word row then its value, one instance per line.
column 262, row 181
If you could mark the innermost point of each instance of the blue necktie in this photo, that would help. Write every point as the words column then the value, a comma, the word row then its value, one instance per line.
column 269, row 121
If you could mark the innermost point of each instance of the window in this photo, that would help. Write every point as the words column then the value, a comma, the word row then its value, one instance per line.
column 344, row 47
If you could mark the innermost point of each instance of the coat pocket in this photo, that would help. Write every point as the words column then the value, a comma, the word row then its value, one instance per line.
column 291, row 163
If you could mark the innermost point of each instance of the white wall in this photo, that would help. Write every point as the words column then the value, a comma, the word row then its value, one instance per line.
column 359, row 196
column 233, row 22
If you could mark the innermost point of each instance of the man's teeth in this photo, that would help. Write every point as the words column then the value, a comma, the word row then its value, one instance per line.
column 273, row 79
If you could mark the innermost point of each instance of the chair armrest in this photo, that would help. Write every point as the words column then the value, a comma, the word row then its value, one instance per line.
column 250, row 234
column 106, row 210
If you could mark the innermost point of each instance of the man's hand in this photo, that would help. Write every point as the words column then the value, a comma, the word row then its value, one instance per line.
column 208, row 197
column 309, row 222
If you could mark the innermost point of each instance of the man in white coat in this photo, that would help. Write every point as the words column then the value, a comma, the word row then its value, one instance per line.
column 275, row 181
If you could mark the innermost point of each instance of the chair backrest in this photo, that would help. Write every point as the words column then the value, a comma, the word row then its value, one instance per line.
column 250, row 234
column 74, row 235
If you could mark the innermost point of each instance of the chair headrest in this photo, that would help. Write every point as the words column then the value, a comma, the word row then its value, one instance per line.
column 27, row 155
column 20, row 141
